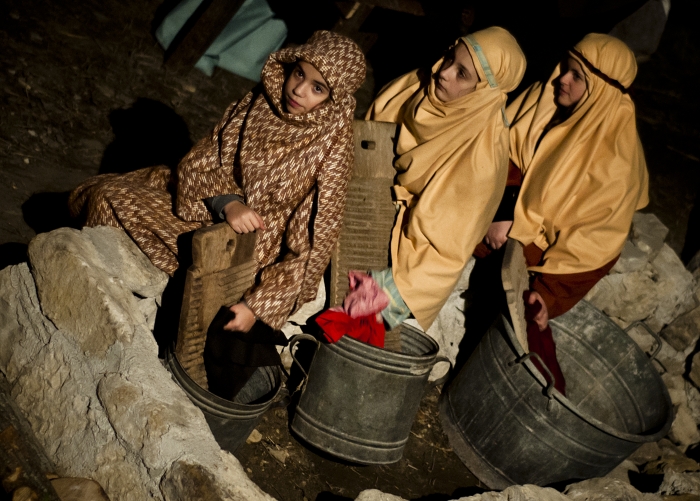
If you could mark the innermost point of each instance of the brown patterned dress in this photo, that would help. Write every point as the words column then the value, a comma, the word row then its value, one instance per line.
column 292, row 170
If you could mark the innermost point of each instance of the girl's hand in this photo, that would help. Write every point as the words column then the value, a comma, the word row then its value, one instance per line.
column 542, row 318
column 497, row 234
column 243, row 320
column 242, row 218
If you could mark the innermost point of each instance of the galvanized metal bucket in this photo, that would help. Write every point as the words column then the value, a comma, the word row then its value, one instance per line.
column 509, row 427
column 359, row 401
column 231, row 422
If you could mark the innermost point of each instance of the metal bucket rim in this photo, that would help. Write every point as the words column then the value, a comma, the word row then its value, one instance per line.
column 215, row 402
column 367, row 350
column 517, row 348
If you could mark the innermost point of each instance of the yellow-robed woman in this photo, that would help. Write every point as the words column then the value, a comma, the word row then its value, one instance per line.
column 452, row 164
column 574, row 139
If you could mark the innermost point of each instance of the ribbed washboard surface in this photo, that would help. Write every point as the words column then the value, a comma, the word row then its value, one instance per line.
column 223, row 268
column 370, row 212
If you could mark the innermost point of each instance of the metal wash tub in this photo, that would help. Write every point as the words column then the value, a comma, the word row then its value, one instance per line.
column 360, row 401
column 509, row 427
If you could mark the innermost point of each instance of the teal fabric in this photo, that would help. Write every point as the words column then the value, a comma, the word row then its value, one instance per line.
column 397, row 311
column 243, row 45
column 487, row 71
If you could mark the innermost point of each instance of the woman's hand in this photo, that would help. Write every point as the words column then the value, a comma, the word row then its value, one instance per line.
column 497, row 234
column 243, row 320
column 542, row 317
column 242, row 218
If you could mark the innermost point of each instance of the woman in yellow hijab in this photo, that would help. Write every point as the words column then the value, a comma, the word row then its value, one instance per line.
column 452, row 164
column 575, row 142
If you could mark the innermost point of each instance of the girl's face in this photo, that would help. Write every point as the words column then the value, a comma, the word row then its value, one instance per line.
column 305, row 89
column 572, row 83
column 457, row 76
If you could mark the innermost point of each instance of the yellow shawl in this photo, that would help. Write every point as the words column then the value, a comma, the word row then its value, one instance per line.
column 452, row 167
column 588, row 175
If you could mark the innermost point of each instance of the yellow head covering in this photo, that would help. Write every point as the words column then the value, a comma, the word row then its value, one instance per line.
column 588, row 175
column 452, row 164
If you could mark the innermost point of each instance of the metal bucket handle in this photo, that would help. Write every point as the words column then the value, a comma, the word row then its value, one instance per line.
column 653, row 334
column 439, row 381
column 550, row 386
column 292, row 343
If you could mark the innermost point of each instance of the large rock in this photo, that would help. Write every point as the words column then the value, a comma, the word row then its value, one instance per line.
column 684, row 331
column 648, row 234
column 513, row 493
column 676, row 483
column 694, row 374
column 657, row 293
column 606, row 489
column 632, row 258
column 89, row 379
column 684, row 431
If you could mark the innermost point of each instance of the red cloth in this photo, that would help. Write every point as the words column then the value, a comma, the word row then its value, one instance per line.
column 359, row 317
column 542, row 343
column 336, row 324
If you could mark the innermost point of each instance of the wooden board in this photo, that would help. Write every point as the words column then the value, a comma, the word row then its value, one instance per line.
column 515, row 283
column 223, row 268
column 369, row 215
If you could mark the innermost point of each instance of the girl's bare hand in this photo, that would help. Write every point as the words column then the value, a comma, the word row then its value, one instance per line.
column 498, row 234
column 242, row 218
column 542, row 318
column 243, row 320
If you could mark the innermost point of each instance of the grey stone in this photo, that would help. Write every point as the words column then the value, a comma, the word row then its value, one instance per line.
column 78, row 489
column 121, row 258
column 676, row 388
column 627, row 296
column 657, row 293
column 668, row 448
column 694, row 263
column 677, row 463
column 102, row 409
column 684, row 431
column 675, row 288
column 648, row 233
column 677, row 483
column 694, row 374
column 526, row 492
column 606, row 489
column 149, row 307
column 684, row 331
column 671, row 360
column 631, row 259
column 377, row 495
column 187, row 481
column 693, row 400
column 648, row 451
column 95, row 307
column 644, row 340
column 621, row 471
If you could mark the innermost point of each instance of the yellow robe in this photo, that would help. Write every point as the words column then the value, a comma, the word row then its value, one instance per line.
column 452, row 166
column 588, row 175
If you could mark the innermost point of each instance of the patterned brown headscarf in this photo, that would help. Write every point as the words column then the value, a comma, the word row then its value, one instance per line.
column 283, row 165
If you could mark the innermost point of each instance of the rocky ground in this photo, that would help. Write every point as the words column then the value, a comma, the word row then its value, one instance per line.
column 104, row 407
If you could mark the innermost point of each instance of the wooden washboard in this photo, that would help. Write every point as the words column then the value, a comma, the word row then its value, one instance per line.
column 370, row 212
column 223, row 268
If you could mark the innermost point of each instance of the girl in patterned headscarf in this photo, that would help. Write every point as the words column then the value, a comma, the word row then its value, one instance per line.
column 277, row 163
column 575, row 141
column 452, row 164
